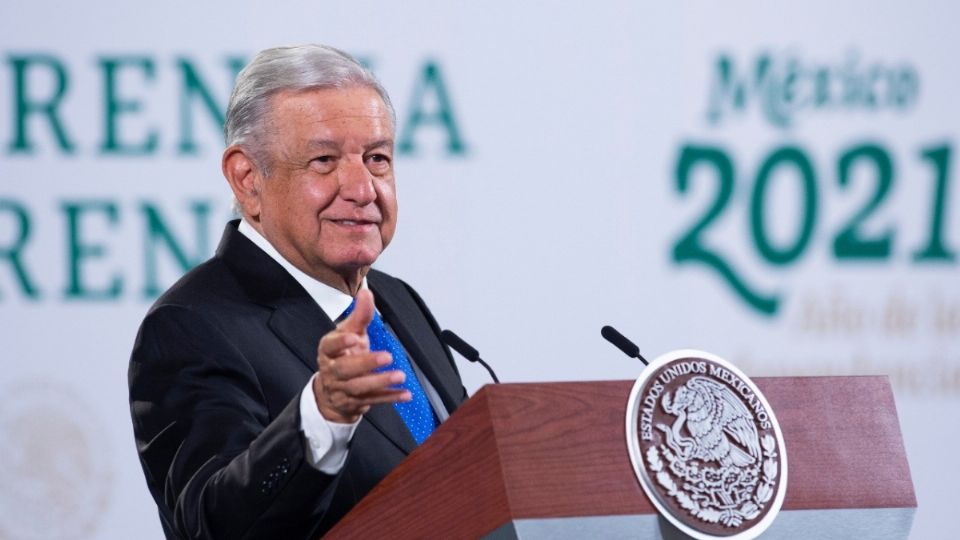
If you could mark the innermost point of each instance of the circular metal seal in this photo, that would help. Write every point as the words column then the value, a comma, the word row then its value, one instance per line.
column 706, row 446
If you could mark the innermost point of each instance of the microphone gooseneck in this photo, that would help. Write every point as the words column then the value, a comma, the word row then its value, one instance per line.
column 456, row 343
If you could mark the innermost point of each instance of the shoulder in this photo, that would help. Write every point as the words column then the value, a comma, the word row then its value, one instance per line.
column 209, row 281
column 383, row 283
column 195, row 300
column 379, row 279
column 210, row 300
column 239, row 273
column 400, row 296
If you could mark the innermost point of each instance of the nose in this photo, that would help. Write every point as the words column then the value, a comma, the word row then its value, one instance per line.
column 356, row 182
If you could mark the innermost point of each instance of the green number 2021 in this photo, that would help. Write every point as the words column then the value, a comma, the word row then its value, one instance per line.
column 851, row 241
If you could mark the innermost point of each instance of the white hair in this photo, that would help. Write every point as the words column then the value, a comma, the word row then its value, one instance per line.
column 298, row 68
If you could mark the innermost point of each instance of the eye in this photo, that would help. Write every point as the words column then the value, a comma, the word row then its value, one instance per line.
column 378, row 162
column 324, row 163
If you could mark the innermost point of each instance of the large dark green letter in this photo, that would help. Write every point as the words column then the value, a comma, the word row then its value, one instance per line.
column 114, row 107
column 431, row 80
column 157, row 232
column 24, row 106
column 79, row 250
column 192, row 87
column 12, row 252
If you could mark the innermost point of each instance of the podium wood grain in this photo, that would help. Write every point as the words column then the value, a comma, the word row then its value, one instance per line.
column 526, row 451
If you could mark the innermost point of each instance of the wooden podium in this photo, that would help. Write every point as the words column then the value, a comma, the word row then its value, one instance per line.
column 550, row 461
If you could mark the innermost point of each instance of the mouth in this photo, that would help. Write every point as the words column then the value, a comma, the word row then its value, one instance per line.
column 357, row 224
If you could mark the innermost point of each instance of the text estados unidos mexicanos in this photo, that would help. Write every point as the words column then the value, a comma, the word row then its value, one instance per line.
column 649, row 402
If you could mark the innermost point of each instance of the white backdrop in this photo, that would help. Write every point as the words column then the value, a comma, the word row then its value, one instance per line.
column 541, row 197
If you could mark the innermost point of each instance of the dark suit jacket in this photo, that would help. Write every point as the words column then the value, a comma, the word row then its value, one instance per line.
column 215, row 379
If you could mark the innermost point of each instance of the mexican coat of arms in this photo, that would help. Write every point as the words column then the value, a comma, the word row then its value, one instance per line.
column 706, row 446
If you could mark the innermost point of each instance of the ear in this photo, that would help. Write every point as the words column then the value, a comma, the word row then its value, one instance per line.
column 245, row 179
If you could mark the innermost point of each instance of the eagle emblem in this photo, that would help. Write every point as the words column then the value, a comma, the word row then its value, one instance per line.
column 721, row 427
column 706, row 446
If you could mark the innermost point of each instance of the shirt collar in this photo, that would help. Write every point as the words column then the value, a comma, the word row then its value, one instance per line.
column 332, row 301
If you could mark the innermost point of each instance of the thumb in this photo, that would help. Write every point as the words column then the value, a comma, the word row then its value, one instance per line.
column 362, row 314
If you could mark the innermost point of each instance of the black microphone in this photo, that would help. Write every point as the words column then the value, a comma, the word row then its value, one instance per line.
column 621, row 342
column 466, row 351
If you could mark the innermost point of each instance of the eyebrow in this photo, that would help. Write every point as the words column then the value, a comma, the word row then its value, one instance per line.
column 378, row 144
column 328, row 143
column 322, row 143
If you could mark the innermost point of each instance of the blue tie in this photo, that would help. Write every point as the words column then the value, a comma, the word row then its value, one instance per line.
column 417, row 413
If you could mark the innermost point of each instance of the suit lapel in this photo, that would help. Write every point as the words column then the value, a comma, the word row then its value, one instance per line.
column 299, row 323
column 296, row 319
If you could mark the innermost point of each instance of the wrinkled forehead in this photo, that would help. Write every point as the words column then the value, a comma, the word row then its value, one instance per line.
column 296, row 112
column 330, row 104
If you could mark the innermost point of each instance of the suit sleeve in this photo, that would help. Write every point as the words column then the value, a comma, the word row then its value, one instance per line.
column 217, row 464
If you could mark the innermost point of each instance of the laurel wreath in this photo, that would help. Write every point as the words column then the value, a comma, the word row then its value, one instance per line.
column 730, row 518
column 770, row 470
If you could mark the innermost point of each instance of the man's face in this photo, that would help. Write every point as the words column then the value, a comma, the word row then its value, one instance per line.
column 329, row 205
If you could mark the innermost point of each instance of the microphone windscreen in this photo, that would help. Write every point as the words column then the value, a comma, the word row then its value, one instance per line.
column 628, row 347
column 459, row 345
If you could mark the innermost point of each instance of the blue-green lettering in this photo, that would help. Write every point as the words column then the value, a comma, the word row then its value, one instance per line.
column 158, row 233
column 431, row 83
column 690, row 248
column 193, row 88
column 12, row 252
column 26, row 106
column 80, row 251
column 116, row 107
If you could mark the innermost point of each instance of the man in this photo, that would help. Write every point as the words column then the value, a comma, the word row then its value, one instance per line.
column 237, row 434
